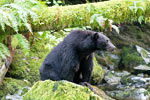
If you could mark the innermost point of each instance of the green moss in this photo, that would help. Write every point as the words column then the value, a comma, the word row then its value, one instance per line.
column 138, row 34
column 97, row 74
column 19, row 67
column 58, row 90
column 74, row 16
column 11, row 85
column 28, row 67
column 130, row 58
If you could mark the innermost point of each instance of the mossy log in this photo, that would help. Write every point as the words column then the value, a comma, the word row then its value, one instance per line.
column 120, row 11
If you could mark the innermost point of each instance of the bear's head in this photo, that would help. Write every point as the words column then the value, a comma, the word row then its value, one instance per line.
column 103, row 42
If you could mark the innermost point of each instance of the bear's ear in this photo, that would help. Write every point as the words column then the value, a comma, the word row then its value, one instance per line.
column 96, row 35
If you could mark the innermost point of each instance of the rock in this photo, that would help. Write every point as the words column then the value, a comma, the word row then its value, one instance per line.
column 132, row 80
column 138, row 80
column 122, row 74
column 111, row 78
column 59, row 90
column 144, row 54
column 130, row 94
column 18, row 95
column 97, row 73
column 142, row 69
column 101, row 93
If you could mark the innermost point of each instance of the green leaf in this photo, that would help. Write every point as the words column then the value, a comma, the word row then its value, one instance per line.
column 3, row 51
column 18, row 13
column 140, row 19
column 93, row 17
column 100, row 20
column 1, row 20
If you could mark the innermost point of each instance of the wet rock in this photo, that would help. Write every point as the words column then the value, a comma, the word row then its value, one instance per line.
column 111, row 78
column 122, row 74
column 18, row 95
column 133, row 81
column 142, row 69
column 130, row 94
column 144, row 54
column 138, row 80
column 101, row 93
column 140, row 75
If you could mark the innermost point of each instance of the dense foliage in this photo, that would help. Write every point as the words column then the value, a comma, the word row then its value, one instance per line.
column 13, row 16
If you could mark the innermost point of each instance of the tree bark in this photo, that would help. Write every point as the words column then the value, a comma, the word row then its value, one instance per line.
column 4, row 68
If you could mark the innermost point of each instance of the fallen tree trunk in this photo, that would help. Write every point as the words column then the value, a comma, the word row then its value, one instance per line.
column 120, row 11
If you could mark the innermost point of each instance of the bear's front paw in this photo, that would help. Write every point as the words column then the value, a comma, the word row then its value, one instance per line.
column 87, row 85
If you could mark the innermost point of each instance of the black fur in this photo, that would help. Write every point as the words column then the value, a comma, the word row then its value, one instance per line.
column 72, row 59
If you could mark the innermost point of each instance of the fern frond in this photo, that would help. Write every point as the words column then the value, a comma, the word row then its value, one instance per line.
column 2, row 24
column 18, row 13
column 20, row 41
column 4, row 52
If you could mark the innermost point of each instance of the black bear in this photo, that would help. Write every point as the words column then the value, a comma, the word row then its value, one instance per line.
column 72, row 59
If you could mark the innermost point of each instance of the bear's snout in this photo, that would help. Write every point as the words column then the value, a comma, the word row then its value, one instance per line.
column 110, row 47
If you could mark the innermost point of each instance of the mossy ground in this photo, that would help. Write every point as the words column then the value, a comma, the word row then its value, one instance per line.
column 58, row 90
column 11, row 85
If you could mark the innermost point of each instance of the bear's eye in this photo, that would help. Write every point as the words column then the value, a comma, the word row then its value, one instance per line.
column 107, row 41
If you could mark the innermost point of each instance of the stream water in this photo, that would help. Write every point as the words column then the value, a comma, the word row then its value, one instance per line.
column 123, row 84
